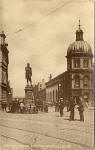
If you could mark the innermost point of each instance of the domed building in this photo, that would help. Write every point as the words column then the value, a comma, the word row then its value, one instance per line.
column 80, row 68
column 78, row 79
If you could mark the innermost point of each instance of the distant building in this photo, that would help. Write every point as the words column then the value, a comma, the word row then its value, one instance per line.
column 41, row 85
column 19, row 99
column 40, row 91
column 4, row 61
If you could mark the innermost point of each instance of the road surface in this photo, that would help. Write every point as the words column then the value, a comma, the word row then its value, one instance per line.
column 46, row 131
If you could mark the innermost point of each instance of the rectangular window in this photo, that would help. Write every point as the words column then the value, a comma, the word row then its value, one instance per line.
column 86, row 63
column 76, row 63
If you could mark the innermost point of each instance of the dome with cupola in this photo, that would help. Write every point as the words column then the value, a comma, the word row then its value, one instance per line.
column 79, row 47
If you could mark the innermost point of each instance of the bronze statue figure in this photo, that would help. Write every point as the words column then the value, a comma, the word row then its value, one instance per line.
column 28, row 74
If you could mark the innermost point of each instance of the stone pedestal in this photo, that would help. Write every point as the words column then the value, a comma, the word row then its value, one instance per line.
column 29, row 96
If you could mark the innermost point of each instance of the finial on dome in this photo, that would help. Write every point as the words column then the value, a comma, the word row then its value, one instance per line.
column 79, row 23
column 79, row 33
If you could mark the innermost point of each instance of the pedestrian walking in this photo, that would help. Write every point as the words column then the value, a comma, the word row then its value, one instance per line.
column 7, row 109
column 72, row 107
column 68, row 105
column 21, row 107
column 81, row 109
column 61, row 106
column 46, row 108
column 56, row 107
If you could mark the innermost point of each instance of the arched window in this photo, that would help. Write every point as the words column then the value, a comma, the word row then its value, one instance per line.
column 86, row 63
column 56, row 95
column 50, row 96
column 77, row 81
column 53, row 95
column 86, row 81
column 91, row 63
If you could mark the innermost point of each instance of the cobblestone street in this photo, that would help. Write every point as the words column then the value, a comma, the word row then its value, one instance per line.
column 46, row 131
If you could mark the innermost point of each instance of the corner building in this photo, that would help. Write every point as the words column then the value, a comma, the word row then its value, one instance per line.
column 78, row 79
column 80, row 69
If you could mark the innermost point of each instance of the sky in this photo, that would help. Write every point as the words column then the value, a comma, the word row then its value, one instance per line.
column 39, row 32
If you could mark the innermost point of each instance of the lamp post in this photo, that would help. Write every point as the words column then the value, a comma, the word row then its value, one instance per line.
column 59, row 90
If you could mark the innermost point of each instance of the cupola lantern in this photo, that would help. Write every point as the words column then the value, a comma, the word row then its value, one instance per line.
column 79, row 33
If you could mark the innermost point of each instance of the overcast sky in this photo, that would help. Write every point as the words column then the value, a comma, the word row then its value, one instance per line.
column 41, row 36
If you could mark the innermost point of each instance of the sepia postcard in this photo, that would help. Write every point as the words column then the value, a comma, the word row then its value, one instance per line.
column 47, row 74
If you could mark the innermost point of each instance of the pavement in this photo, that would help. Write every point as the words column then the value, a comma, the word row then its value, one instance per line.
column 46, row 131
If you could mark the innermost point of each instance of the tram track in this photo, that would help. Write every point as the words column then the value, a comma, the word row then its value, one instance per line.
column 42, row 134
column 46, row 120
column 49, row 124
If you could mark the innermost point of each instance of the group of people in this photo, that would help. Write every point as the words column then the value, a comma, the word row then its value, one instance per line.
column 20, row 107
column 71, row 107
column 13, row 107
column 80, row 107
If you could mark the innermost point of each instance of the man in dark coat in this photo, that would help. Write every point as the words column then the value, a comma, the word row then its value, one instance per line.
column 72, row 106
column 81, row 109
column 56, row 107
column 61, row 106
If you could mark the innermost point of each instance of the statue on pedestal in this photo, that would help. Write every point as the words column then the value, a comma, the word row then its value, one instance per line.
column 28, row 88
column 29, row 95
column 28, row 74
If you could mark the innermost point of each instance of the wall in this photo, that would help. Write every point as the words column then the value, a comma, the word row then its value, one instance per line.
column 52, row 93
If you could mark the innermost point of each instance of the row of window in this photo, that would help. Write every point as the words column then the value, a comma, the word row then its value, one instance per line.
column 53, row 95
column 77, row 81
column 77, row 63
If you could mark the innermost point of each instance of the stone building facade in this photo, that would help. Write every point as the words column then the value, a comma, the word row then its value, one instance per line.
column 54, row 89
column 4, row 61
column 80, row 68
column 78, row 79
